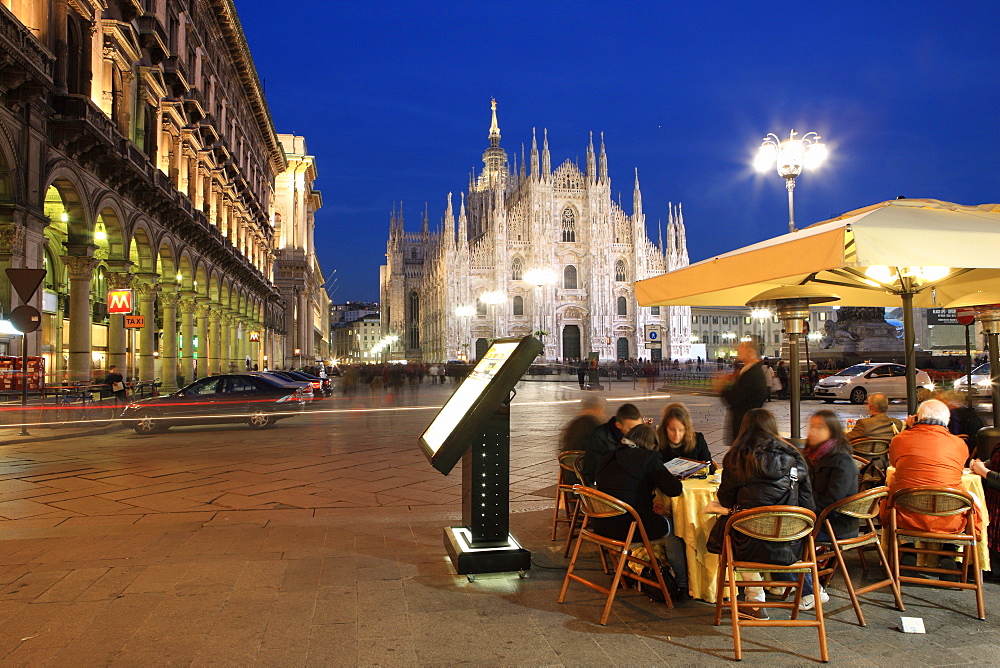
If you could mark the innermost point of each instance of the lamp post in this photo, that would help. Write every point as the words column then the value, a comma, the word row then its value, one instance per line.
column 790, row 156
column 464, row 313
column 540, row 278
column 493, row 298
column 760, row 315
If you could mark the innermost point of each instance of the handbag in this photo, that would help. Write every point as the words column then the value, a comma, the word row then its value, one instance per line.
column 655, row 593
column 117, row 387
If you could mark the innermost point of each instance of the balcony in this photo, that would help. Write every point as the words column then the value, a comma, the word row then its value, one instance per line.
column 194, row 106
column 175, row 75
column 26, row 68
column 80, row 126
column 153, row 37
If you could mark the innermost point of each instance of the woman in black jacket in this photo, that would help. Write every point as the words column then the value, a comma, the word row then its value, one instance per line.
column 679, row 439
column 630, row 473
column 761, row 469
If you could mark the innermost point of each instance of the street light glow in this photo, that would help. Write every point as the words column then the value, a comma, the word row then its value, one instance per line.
column 540, row 277
column 465, row 311
column 493, row 297
column 789, row 156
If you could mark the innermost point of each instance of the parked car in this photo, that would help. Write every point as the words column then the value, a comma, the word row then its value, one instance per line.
column 300, row 376
column 326, row 385
column 981, row 381
column 856, row 382
column 257, row 399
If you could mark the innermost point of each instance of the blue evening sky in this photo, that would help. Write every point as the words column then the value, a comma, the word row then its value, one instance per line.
column 393, row 99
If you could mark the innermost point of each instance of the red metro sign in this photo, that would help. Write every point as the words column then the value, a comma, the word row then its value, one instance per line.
column 119, row 301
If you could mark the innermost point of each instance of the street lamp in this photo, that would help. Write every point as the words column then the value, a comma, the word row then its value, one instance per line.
column 761, row 314
column 790, row 156
column 493, row 298
column 464, row 313
column 540, row 278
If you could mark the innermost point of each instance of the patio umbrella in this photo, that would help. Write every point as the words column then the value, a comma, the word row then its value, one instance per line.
column 918, row 252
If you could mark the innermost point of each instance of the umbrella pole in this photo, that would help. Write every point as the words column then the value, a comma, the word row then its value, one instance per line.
column 993, row 340
column 794, row 383
column 909, row 353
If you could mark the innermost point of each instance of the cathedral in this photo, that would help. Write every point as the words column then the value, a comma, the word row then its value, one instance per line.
column 532, row 251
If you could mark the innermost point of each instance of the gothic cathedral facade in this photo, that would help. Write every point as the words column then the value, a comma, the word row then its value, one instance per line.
column 552, row 254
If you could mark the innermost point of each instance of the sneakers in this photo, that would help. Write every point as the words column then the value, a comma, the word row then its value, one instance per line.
column 808, row 601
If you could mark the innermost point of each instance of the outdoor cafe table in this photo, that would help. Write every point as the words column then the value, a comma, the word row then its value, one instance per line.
column 693, row 526
column 972, row 484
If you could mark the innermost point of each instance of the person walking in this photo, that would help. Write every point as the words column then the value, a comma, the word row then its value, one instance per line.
column 745, row 390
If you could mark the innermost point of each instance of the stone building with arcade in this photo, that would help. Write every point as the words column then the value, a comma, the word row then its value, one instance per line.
column 137, row 151
column 563, row 224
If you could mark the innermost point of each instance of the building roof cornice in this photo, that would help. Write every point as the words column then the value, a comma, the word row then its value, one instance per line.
column 239, row 50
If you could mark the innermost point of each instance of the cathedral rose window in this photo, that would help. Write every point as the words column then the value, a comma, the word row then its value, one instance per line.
column 568, row 225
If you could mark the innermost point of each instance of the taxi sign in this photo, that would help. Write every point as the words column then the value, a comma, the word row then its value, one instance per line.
column 135, row 321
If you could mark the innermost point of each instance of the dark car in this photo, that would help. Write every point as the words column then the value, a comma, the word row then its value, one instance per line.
column 257, row 399
column 321, row 387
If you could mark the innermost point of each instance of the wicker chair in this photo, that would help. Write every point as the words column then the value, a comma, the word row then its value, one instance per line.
column 937, row 502
column 872, row 449
column 576, row 517
column 596, row 504
column 775, row 524
column 565, row 498
column 864, row 507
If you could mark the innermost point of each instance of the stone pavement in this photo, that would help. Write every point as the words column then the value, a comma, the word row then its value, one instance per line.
column 319, row 542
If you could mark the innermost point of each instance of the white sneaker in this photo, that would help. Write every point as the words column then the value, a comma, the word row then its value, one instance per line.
column 808, row 601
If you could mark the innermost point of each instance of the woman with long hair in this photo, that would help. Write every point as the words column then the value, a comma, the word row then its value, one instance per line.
column 762, row 469
column 678, row 438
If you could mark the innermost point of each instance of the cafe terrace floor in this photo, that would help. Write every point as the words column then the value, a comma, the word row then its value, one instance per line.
column 319, row 542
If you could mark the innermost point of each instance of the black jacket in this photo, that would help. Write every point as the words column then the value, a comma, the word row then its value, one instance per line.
column 700, row 453
column 630, row 474
column 776, row 486
column 749, row 390
column 835, row 477
column 602, row 441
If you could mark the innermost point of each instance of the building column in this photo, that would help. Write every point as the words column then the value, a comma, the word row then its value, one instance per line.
column 168, row 343
column 215, row 340
column 117, row 353
column 81, row 271
column 187, row 308
column 201, row 315
column 146, row 290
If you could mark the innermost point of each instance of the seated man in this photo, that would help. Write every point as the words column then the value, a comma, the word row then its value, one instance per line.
column 606, row 438
column 630, row 473
column 879, row 425
column 927, row 454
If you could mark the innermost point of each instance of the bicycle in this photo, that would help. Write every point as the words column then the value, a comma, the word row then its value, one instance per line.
column 79, row 405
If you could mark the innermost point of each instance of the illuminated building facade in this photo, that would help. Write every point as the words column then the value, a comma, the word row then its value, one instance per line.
column 533, row 217
column 137, row 151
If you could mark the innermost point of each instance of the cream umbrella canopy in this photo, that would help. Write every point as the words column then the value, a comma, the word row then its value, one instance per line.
column 920, row 252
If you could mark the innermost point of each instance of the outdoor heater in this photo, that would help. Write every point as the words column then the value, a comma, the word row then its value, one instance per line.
column 987, row 308
column 791, row 305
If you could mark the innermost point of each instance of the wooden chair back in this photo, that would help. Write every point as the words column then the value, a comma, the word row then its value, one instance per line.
column 776, row 524
column 870, row 448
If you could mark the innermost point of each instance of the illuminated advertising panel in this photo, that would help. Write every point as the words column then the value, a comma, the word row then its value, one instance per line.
column 464, row 415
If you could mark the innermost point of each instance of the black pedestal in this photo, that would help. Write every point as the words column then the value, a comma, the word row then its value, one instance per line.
column 469, row 560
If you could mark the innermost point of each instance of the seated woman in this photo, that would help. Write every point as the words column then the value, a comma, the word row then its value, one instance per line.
column 834, row 476
column 679, row 439
column 761, row 469
column 630, row 473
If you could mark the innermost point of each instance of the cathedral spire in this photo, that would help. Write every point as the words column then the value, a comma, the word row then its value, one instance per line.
column 494, row 126
column 659, row 227
column 463, row 226
column 591, row 175
column 425, row 228
column 534, row 153
column 449, row 224
column 546, row 158
column 682, row 250
column 495, row 158
column 523, row 173
column 603, row 173
column 636, row 196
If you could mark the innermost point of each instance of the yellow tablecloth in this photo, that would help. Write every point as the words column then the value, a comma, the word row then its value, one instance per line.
column 972, row 484
column 693, row 526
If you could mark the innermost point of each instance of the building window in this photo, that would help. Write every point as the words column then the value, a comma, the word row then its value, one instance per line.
column 715, row 338
column 822, row 316
column 654, row 310
column 725, row 320
column 480, row 307
column 568, row 225
column 620, row 271
column 515, row 269
column 746, row 320
column 569, row 277
column 414, row 320
column 704, row 319
column 694, row 320
column 413, row 253
column 518, row 305
column 622, row 306
column 715, row 320
column 777, row 338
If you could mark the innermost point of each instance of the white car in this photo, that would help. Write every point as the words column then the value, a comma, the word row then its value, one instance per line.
column 981, row 383
column 856, row 382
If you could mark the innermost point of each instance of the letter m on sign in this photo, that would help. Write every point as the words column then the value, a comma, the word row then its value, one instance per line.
column 119, row 301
